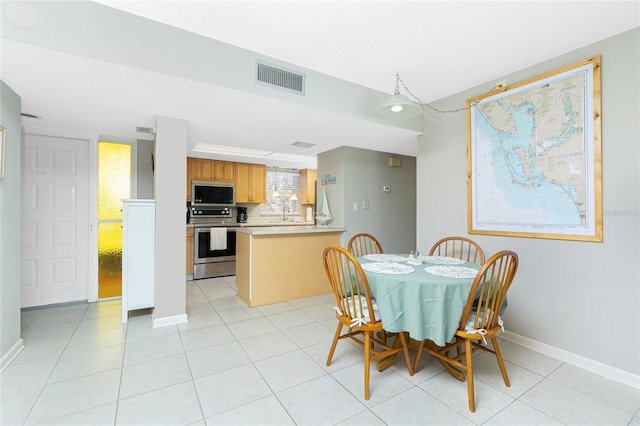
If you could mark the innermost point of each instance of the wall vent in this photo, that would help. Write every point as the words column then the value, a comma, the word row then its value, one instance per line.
column 147, row 130
column 270, row 75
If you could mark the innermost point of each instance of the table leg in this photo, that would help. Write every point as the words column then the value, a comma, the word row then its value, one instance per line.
column 450, row 368
column 384, row 363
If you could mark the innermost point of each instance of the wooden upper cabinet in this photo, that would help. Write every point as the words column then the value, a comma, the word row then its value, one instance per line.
column 258, row 183
column 201, row 168
column 205, row 169
column 224, row 171
column 251, row 183
column 308, row 186
column 189, row 176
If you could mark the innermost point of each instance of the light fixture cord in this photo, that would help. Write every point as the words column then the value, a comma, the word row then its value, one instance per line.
column 439, row 111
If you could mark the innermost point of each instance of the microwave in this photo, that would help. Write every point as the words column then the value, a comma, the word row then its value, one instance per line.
column 209, row 193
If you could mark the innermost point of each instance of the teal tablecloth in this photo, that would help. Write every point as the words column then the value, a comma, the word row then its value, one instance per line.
column 425, row 305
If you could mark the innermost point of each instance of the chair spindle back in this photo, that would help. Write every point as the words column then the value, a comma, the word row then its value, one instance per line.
column 362, row 244
column 459, row 247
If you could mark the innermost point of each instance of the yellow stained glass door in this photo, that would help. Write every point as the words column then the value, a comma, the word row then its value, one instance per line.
column 114, row 185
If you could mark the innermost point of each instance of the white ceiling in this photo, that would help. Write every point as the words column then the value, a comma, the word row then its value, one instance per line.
column 439, row 47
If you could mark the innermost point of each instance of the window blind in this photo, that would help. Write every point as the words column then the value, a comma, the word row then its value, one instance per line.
column 287, row 182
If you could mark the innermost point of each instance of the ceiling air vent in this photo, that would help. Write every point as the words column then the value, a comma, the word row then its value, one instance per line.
column 270, row 75
column 300, row 144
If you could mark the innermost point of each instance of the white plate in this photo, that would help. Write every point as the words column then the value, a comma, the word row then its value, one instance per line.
column 388, row 268
column 452, row 271
column 442, row 260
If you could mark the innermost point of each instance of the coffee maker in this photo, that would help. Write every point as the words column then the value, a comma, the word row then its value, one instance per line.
column 242, row 214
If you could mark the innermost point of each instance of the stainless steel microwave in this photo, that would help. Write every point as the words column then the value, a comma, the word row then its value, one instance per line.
column 209, row 193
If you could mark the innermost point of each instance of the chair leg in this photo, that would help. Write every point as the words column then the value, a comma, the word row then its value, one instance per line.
column 469, row 356
column 336, row 337
column 367, row 356
column 498, row 354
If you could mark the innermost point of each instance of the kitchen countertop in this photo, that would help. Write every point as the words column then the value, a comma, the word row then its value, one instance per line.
column 256, row 225
column 290, row 229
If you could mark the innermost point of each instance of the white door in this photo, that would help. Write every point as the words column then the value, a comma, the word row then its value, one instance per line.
column 55, row 220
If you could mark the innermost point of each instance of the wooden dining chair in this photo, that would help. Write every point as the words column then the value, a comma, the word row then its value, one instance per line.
column 480, row 320
column 362, row 244
column 357, row 310
column 460, row 248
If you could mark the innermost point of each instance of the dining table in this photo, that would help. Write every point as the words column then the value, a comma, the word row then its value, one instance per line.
column 424, row 297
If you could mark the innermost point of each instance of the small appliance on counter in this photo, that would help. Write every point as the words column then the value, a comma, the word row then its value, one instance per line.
column 242, row 214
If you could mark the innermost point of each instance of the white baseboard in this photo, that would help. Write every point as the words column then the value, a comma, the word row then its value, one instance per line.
column 11, row 354
column 596, row 367
column 173, row 320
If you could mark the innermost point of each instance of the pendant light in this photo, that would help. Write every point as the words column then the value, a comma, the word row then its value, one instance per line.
column 398, row 107
column 275, row 192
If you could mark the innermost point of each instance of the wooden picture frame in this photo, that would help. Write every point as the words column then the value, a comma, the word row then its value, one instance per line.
column 2, row 150
column 534, row 156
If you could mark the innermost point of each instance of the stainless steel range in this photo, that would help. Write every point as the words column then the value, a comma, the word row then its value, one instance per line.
column 215, row 242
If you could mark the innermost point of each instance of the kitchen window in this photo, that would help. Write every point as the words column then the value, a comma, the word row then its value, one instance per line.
column 283, row 192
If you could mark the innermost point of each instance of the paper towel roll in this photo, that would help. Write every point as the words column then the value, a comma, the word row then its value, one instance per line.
column 309, row 214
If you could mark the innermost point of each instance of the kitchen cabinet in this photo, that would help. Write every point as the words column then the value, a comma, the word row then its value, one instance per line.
column 308, row 186
column 224, row 171
column 138, row 255
column 251, row 183
column 193, row 167
column 190, row 249
column 201, row 168
column 205, row 169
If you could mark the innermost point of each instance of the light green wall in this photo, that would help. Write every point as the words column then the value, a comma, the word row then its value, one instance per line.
column 578, row 297
column 10, row 225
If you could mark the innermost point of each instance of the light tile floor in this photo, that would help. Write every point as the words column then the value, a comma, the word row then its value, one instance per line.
column 266, row 366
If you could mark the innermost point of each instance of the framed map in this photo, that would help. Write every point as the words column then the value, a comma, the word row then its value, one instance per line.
column 534, row 159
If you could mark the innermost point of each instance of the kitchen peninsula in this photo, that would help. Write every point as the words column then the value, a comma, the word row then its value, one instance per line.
column 281, row 263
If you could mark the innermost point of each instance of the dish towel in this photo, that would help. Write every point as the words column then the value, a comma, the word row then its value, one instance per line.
column 218, row 239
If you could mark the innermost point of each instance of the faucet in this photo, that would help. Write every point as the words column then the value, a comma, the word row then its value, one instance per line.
column 285, row 207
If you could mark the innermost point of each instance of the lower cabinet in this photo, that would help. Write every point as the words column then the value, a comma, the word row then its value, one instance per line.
column 138, row 255
column 190, row 250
